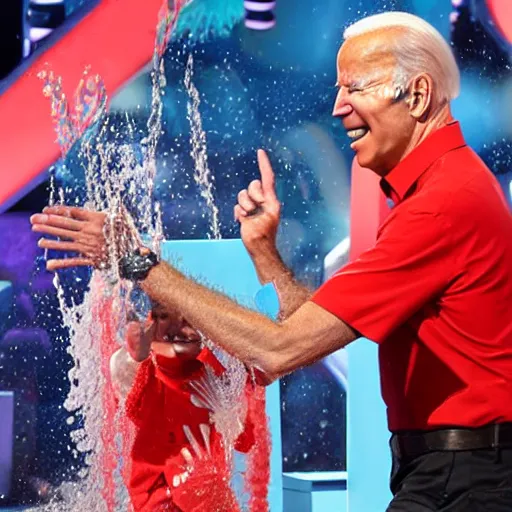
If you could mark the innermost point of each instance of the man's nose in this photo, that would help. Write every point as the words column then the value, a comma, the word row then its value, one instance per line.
column 342, row 106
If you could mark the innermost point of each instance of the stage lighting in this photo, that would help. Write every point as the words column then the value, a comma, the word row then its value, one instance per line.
column 12, row 34
column 478, row 35
column 43, row 17
column 495, row 16
column 259, row 14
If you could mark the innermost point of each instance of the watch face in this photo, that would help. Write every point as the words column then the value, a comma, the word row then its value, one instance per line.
column 136, row 266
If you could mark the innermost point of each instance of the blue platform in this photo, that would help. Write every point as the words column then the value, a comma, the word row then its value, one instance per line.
column 226, row 266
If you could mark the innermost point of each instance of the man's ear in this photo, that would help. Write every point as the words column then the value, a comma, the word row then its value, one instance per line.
column 421, row 96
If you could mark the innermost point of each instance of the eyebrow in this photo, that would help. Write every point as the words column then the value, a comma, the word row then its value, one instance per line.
column 359, row 83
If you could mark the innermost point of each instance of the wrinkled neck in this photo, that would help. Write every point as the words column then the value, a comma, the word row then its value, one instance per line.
column 441, row 118
column 423, row 130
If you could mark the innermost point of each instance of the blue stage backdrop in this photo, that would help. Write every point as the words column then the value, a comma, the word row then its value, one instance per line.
column 272, row 89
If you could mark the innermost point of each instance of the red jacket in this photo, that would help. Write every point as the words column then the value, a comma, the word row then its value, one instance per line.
column 159, row 404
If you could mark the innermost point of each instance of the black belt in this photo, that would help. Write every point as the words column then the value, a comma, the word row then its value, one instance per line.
column 408, row 445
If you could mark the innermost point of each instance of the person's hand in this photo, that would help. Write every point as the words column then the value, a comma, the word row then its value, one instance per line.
column 138, row 339
column 205, row 475
column 81, row 231
column 258, row 209
column 95, row 236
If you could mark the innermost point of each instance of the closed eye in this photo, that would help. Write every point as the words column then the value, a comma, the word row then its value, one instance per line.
column 350, row 88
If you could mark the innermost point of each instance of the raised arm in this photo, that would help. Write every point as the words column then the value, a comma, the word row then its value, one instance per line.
column 258, row 211
column 275, row 348
column 309, row 334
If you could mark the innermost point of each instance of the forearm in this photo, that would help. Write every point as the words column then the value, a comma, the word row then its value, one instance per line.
column 247, row 335
column 271, row 269
column 275, row 348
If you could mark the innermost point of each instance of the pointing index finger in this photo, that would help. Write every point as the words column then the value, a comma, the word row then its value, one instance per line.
column 268, row 181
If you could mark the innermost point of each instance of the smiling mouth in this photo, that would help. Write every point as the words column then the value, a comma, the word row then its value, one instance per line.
column 357, row 133
column 184, row 340
column 179, row 339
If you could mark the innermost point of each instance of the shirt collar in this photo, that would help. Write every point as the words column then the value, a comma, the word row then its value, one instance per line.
column 400, row 180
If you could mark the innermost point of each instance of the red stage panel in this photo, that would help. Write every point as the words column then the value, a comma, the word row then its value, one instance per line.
column 116, row 39
column 368, row 209
column 501, row 13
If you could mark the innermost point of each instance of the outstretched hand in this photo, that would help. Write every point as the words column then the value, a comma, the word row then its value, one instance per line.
column 93, row 235
column 258, row 209
column 80, row 231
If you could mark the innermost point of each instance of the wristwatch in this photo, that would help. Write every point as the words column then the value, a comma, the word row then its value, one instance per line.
column 136, row 265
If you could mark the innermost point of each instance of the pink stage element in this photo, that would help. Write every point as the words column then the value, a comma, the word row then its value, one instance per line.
column 368, row 209
column 501, row 12
column 116, row 40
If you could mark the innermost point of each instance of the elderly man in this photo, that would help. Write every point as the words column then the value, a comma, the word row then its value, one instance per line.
column 435, row 292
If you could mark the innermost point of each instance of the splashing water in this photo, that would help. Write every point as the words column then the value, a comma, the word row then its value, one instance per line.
column 90, row 100
column 202, row 174
column 167, row 19
column 87, row 395
column 223, row 394
column 120, row 177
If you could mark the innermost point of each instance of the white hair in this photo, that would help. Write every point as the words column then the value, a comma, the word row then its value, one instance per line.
column 421, row 49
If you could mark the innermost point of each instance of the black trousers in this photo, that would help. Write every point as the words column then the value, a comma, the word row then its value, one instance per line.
column 465, row 481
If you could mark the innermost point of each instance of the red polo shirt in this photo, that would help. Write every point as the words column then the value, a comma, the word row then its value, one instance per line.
column 435, row 292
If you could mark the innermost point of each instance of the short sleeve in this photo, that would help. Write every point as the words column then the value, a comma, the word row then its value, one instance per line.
column 411, row 263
